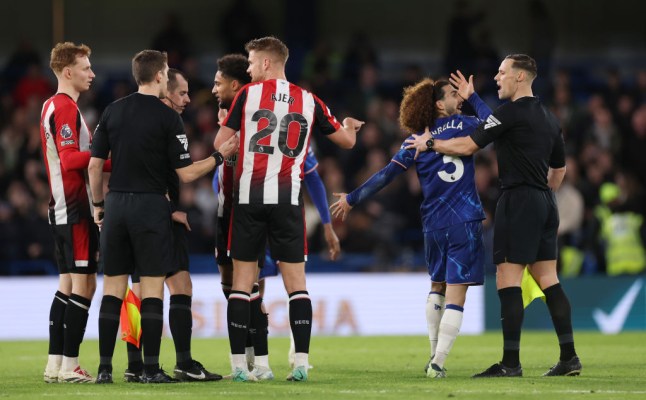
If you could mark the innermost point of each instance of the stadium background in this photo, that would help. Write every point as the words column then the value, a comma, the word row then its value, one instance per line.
column 357, row 56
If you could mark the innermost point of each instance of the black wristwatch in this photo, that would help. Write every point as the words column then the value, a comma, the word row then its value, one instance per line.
column 429, row 143
column 99, row 204
column 219, row 159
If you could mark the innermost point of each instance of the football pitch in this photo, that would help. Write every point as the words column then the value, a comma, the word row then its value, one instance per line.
column 614, row 367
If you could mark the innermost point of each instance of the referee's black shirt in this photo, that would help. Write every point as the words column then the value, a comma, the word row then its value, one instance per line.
column 528, row 141
column 146, row 138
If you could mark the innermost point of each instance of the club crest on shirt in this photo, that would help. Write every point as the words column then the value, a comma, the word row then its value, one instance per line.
column 66, row 132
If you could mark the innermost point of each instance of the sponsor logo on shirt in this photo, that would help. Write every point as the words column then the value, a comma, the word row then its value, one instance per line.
column 184, row 156
column 183, row 140
column 67, row 142
column 66, row 132
column 491, row 122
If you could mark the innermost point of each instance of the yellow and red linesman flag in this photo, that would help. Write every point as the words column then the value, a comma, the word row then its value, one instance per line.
column 531, row 289
column 131, row 318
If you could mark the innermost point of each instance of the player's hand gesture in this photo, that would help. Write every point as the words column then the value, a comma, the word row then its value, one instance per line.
column 352, row 124
column 418, row 142
column 465, row 88
column 182, row 218
column 333, row 244
column 229, row 147
column 341, row 208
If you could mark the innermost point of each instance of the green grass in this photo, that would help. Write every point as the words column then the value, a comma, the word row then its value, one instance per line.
column 360, row 368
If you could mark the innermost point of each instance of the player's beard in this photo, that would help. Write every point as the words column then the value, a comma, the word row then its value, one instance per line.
column 225, row 105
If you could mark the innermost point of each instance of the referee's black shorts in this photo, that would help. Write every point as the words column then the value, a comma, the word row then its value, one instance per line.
column 525, row 226
column 180, row 252
column 137, row 234
column 282, row 225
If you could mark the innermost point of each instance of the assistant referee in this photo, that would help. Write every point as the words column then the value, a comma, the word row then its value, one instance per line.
column 531, row 164
column 145, row 139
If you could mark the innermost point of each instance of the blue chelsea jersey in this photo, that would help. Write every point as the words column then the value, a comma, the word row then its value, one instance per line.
column 448, row 184
column 310, row 162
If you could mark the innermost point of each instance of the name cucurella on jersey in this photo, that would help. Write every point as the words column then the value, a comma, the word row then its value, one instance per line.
column 452, row 124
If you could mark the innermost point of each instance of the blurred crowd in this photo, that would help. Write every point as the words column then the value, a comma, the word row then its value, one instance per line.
column 602, row 112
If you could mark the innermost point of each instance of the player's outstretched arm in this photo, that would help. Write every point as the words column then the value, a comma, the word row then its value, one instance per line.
column 346, row 136
column 376, row 182
column 341, row 208
column 200, row 168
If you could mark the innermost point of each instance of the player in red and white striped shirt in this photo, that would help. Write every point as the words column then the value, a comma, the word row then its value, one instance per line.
column 275, row 119
column 66, row 144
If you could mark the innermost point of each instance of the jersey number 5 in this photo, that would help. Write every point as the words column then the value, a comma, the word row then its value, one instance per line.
column 283, row 130
column 455, row 175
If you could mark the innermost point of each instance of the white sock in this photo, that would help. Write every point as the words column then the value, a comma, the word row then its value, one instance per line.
column 54, row 361
column 69, row 363
column 301, row 359
column 449, row 329
column 434, row 311
column 262, row 361
column 238, row 361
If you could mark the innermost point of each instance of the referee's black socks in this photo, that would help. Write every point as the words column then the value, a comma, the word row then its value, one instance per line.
column 238, row 320
column 56, row 318
column 511, row 315
column 152, row 316
column 108, row 328
column 561, row 313
column 180, row 319
column 300, row 320
column 75, row 321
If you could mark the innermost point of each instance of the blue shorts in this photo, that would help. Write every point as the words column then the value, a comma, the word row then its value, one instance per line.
column 270, row 268
column 455, row 254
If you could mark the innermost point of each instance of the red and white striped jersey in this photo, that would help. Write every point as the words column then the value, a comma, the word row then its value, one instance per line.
column 275, row 119
column 63, row 132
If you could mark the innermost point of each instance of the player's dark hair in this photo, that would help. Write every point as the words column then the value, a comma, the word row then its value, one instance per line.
column 64, row 54
column 146, row 64
column 417, row 110
column 172, row 79
column 269, row 44
column 234, row 66
column 524, row 62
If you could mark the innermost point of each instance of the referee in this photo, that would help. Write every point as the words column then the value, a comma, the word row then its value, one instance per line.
column 145, row 138
column 531, row 163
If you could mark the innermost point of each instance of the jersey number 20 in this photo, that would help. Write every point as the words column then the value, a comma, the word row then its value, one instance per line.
column 282, row 133
column 455, row 175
